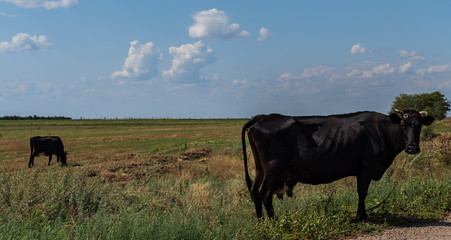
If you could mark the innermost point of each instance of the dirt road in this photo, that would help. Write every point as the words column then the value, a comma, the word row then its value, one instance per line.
column 433, row 231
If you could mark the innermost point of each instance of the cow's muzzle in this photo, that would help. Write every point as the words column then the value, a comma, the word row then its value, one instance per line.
column 412, row 149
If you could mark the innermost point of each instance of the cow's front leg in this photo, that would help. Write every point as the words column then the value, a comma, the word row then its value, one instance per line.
column 50, row 159
column 363, row 184
column 31, row 162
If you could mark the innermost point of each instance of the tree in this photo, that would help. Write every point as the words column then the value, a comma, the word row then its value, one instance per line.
column 434, row 103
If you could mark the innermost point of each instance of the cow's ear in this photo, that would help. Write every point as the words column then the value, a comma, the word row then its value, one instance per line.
column 428, row 120
column 395, row 118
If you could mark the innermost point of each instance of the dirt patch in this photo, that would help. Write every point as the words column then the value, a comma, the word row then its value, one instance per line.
column 195, row 153
column 125, row 167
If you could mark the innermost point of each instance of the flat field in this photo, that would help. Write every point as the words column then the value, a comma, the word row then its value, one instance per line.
column 184, row 179
column 91, row 142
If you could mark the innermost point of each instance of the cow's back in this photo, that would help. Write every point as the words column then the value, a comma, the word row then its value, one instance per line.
column 337, row 135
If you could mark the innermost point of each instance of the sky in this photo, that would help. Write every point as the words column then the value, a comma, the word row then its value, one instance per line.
column 218, row 59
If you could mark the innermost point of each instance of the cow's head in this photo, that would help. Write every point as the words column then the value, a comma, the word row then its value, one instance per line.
column 64, row 158
column 411, row 122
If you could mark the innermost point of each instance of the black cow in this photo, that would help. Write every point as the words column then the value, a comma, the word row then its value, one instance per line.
column 48, row 146
column 323, row 149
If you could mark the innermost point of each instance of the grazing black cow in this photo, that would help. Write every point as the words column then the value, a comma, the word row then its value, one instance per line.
column 322, row 149
column 48, row 146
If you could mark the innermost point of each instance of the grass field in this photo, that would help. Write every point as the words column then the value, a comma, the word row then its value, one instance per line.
column 184, row 179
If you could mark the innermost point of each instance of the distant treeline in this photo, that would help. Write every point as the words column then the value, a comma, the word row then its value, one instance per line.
column 34, row 117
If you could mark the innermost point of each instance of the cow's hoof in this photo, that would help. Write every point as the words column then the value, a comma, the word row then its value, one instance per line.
column 362, row 217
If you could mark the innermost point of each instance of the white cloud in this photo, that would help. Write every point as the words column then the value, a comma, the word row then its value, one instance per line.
column 141, row 63
column 312, row 80
column 23, row 42
column 287, row 76
column 264, row 34
column 384, row 69
column 13, row 87
column 380, row 70
column 359, row 49
column 354, row 73
column 361, row 80
column 6, row 14
column 42, row 3
column 404, row 53
column 215, row 77
column 188, row 60
column 412, row 55
column 214, row 24
column 299, row 85
column 44, row 86
column 243, row 82
column 404, row 68
column 435, row 69
column 318, row 72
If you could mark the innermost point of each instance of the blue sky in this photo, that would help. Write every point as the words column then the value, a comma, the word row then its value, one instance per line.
column 216, row 59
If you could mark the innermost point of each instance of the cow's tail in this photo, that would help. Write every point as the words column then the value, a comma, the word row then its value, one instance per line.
column 243, row 141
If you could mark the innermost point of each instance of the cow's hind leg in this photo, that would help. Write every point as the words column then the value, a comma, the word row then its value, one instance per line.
column 256, row 194
column 267, row 189
column 255, row 190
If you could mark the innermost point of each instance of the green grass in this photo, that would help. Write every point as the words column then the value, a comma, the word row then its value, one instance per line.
column 136, row 179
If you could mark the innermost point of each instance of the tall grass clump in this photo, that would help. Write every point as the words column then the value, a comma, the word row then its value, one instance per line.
column 444, row 147
column 427, row 132
column 37, row 200
column 329, row 216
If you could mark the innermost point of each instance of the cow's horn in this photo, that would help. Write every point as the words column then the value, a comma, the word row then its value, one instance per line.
column 398, row 111
column 424, row 112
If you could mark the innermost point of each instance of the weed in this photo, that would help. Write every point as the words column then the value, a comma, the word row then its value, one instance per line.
column 427, row 132
column 445, row 148
column 5, row 189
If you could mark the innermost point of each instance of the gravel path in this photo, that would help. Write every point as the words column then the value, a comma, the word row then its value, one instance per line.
column 433, row 231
